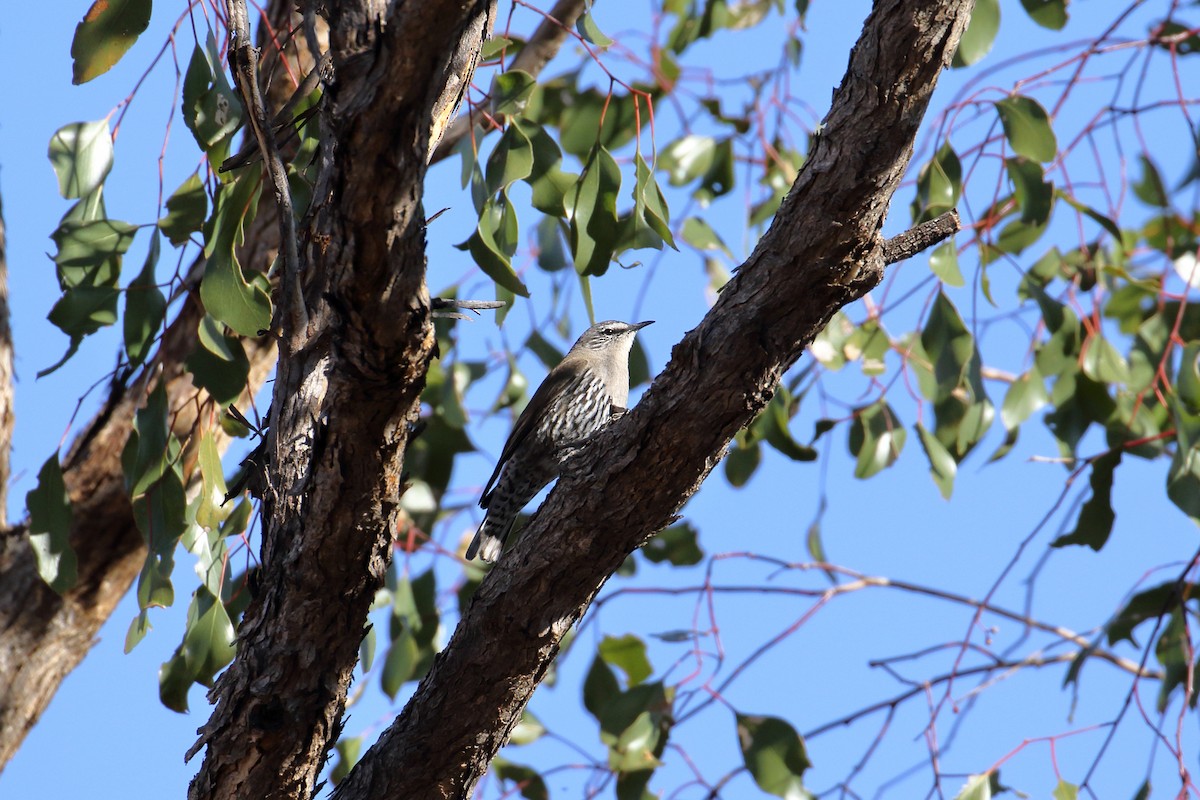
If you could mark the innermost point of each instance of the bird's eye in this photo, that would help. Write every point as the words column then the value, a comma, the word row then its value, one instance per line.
column 609, row 331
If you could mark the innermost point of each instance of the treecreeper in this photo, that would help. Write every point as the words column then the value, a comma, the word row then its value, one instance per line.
column 580, row 396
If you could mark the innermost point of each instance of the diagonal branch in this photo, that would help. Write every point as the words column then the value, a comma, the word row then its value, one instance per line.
column 821, row 252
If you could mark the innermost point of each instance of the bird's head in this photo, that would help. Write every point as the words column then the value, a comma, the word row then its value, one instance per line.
column 609, row 334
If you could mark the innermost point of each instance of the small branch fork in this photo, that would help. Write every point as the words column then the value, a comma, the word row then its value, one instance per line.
column 243, row 59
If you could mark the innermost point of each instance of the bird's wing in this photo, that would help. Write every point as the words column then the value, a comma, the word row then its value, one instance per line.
column 560, row 379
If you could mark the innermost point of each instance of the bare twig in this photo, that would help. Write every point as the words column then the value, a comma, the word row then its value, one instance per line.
column 438, row 304
column 541, row 47
column 284, row 120
column 243, row 58
column 923, row 236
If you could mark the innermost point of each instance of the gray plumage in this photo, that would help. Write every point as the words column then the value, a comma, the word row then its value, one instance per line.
column 575, row 400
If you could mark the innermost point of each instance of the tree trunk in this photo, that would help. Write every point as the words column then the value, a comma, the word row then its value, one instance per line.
column 822, row 251
column 347, row 390
column 43, row 636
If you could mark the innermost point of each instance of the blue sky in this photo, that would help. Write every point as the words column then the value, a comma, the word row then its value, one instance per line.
column 106, row 732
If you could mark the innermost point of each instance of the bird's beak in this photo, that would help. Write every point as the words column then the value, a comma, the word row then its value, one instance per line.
column 637, row 326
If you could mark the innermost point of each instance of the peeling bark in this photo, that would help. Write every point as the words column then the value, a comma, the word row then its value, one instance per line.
column 822, row 251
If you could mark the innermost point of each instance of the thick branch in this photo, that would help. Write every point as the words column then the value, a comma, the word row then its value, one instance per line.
column 344, row 396
column 821, row 252
column 44, row 636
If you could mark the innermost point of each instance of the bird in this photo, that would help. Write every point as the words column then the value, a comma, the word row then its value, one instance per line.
column 585, row 391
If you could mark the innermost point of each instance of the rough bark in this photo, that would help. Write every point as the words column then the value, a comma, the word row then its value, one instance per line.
column 43, row 636
column 822, row 251
column 346, row 391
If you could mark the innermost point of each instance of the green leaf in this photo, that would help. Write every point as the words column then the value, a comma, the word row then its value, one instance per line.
column 600, row 688
column 1091, row 213
column 211, row 512
column 1027, row 127
column 50, row 527
column 677, row 545
column 1102, row 363
column 1149, row 188
column 939, row 185
column 742, row 460
column 89, row 252
column 594, row 222
column 218, row 363
column 629, row 653
column 775, row 755
column 211, row 110
column 107, row 31
column 1183, row 476
column 511, row 90
column 208, row 643
column 85, row 310
column 551, row 251
column 400, row 664
column 138, row 628
column 943, row 262
column 206, row 649
column 348, row 751
column 718, row 178
column 686, row 159
column 876, row 439
column 771, row 426
column 1096, row 517
column 590, row 31
column 226, row 294
column 145, row 308
column 160, row 513
column 1024, row 396
column 1050, row 14
column 1065, row 791
column 648, row 224
column 977, row 787
column 700, row 235
column 1034, row 194
column 510, row 161
column 977, row 39
column 493, row 243
column 187, row 209
column 549, row 182
column 82, row 156
column 948, row 344
column 153, row 437
column 547, row 353
column 528, row 781
column 1146, row 605
column 527, row 731
column 942, row 465
column 174, row 680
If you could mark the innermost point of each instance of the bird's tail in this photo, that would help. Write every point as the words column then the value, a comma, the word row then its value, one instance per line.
column 489, row 539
